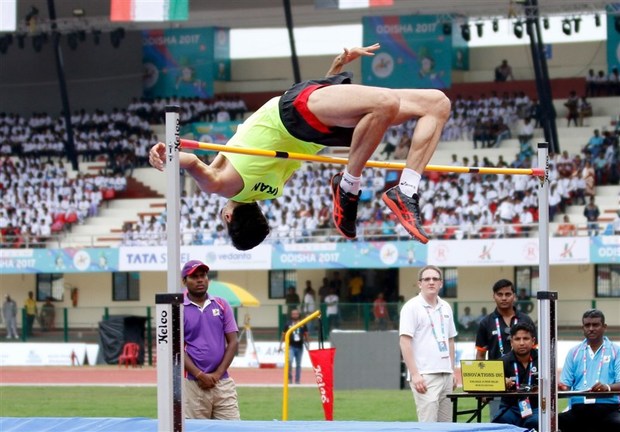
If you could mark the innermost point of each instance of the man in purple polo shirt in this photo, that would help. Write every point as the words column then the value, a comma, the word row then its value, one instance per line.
column 210, row 345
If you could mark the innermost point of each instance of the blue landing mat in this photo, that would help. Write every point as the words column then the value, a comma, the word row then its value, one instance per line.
column 94, row 424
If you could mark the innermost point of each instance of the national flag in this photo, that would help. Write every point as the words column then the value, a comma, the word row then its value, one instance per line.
column 363, row 4
column 351, row 4
column 149, row 10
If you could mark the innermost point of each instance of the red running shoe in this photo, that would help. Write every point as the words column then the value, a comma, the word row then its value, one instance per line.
column 344, row 212
column 407, row 210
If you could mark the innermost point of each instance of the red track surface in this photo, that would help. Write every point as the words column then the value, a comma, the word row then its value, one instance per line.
column 114, row 375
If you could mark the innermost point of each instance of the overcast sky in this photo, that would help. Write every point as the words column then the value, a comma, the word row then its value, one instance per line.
column 260, row 43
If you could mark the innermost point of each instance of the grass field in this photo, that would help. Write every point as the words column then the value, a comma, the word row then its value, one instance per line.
column 255, row 403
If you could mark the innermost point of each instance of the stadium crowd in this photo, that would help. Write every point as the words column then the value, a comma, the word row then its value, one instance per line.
column 219, row 109
column 39, row 199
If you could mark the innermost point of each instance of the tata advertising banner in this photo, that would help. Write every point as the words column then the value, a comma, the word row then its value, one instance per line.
column 605, row 250
column 184, row 62
column 69, row 260
column 507, row 252
column 154, row 258
column 348, row 255
column 415, row 52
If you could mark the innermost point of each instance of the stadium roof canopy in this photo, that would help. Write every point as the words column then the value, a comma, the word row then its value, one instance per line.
column 270, row 13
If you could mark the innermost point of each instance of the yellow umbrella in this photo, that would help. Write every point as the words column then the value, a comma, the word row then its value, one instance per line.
column 233, row 294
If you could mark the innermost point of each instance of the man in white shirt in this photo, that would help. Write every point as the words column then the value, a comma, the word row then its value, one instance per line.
column 333, row 315
column 427, row 334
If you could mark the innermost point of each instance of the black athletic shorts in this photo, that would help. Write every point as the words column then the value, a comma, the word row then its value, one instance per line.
column 302, row 124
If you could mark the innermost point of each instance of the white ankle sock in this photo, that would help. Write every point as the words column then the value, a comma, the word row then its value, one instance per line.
column 409, row 182
column 350, row 184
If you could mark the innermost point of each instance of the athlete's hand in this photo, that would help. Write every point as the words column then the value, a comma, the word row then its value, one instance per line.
column 354, row 53
column 157, row 156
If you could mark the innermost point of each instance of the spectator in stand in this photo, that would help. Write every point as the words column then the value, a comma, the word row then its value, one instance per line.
column 585, row 109
column 594, row 145
column 535, row 112
column 591, row 213
column 589, row 176
column 555, row 200
column 502, row 132
column 503, row 72
column 612, row 159
column 600, row 83
column 572, row 106
column 591, row 83
column 566, row 228
column 601, row 170
column 481, row 133
column 526, row 133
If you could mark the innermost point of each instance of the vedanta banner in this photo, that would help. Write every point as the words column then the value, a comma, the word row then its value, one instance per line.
column 323, row 365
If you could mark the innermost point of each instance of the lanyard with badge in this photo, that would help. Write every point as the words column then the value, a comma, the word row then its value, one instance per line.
column 525, row 407
column 441, row 342
column 297, row 334
column 498, row 330
column 585, row 370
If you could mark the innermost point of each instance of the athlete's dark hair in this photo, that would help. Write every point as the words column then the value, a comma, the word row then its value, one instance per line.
column 503, row 283
column 248, row 226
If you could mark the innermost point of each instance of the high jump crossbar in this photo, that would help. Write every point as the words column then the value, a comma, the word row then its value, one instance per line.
column 196, row 145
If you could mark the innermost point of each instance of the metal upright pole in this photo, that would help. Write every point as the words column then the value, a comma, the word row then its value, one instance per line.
column 288, row 13
column 547, row 324
column 170, row 367
column 173, row 194
column 62, row 83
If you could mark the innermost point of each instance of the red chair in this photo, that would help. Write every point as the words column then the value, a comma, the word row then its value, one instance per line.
column 131, row 351
column 71, row 218
column 108, row 193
